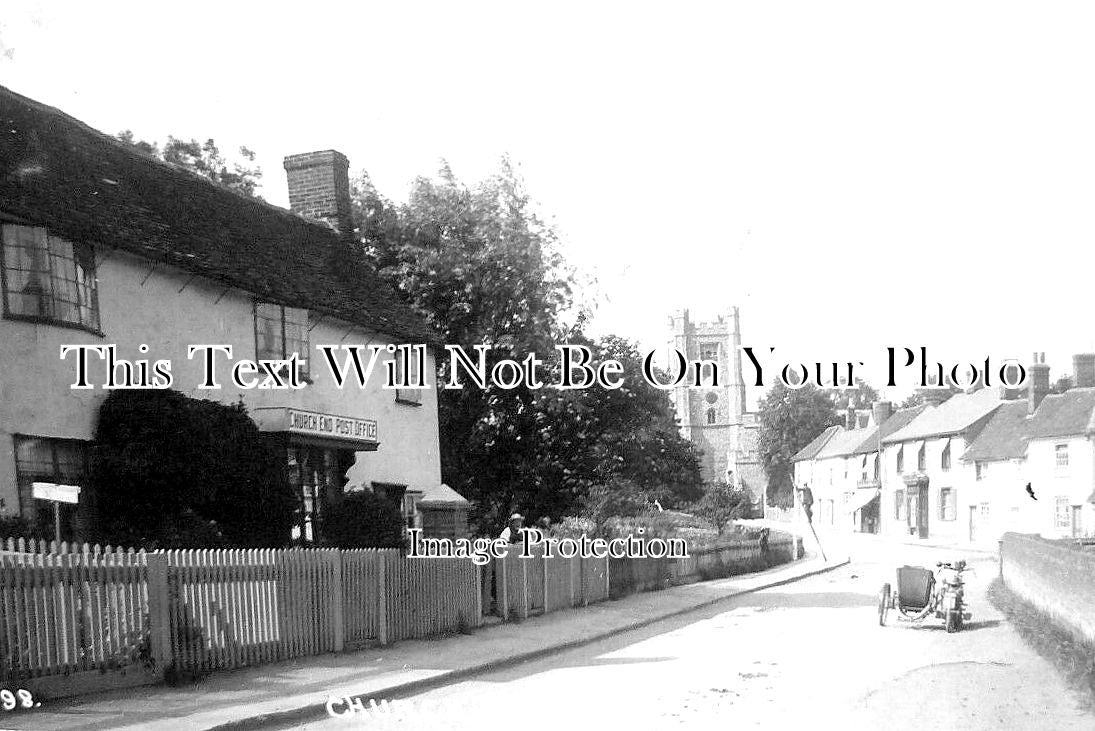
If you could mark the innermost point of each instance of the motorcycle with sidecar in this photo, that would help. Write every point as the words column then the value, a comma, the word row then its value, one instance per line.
column 922, row 593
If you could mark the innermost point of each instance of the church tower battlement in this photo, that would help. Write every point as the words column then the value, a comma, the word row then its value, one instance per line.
column 716, row 419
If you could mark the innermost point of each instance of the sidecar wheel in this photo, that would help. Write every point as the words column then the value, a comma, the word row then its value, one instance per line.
column 883, row 604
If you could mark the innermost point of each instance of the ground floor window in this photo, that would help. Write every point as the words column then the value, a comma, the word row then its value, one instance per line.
column 899, row 505
column 1061, row 515
column 60, row 461
column 947, row 503
column 316, row 474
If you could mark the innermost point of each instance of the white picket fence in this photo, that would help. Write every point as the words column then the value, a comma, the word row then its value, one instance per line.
column 80, row 618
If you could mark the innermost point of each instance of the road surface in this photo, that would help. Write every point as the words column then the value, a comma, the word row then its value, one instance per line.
column 805, row 655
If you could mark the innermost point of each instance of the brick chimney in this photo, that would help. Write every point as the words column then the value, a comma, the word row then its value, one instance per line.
column 1083, row 370
column 881, row 411
column 1038, row 373
column 934, row 396
column 849, row 418
column 319, row 188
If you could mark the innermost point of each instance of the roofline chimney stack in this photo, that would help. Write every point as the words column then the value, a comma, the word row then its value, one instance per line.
column 1038, row 372
column 1083, row 370
column 319, row 188
column 881, row 411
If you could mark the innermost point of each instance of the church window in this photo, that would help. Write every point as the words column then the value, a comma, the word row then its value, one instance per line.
column 709, row 351
column 710, row 416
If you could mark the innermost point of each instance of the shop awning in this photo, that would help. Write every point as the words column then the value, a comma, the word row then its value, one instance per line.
column 330, row 429
column 860, row 500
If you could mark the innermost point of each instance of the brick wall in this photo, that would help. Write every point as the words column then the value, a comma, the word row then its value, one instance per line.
column 1059, row 578
column 319, row 187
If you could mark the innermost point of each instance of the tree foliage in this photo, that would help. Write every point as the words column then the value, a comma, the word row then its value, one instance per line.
column 789, row 420
column 862, row 396
column 723, row 502
column 169, row 470
column 483, row 268
column 205, row 159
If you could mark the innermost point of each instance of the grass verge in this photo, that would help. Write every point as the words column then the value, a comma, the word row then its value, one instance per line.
column 1070, row 653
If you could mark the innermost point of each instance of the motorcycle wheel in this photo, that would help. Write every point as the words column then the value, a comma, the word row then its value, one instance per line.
column 954, row 620
column 883, row 604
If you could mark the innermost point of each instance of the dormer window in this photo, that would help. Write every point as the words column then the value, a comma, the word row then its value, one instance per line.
column 48, row 279
column 280, row 332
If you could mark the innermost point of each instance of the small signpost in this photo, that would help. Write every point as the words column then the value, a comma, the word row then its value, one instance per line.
column 56, row 494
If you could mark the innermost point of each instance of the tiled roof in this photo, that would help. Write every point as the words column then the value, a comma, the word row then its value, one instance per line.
column 1004, row 436
column 58, row 173
column 897, row 421
column 442, row 494
column 810, row 450
column 1067, row 414
column 953, row 416
column 844, row 443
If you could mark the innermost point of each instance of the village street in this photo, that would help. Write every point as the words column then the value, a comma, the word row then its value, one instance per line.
column 809, row 654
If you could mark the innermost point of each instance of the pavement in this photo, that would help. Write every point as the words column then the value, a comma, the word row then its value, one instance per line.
column 298, row 691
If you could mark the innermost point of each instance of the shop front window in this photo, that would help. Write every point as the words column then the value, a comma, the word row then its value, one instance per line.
column 315, row 474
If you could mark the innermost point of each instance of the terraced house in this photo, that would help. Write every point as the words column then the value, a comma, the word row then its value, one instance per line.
column 103, row 244
column 968, row 468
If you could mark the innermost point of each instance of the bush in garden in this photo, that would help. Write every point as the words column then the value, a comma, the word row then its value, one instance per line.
column 363, row 520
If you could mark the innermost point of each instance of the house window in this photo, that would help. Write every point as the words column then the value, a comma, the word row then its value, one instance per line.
column 1061, row 517
column 863, row 469
column 280, row 332
column 945, row 460
column 947, row 504
column 1061, row 454
column 899, row 505
column 922, row 458
column 981, row 470
column 60, row 461
column 710, row 416
column 48, row 278
column 877, row 476
column 407, row 395
column 900, row 458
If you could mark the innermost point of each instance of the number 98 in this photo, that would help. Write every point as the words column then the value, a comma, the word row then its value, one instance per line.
column 21, row 698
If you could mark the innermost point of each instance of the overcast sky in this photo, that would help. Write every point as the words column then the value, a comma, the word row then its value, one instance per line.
column 852, row 175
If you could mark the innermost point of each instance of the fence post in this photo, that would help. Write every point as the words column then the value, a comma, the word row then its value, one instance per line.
column 159, row 614
column 337, row 602
column 524, row 586
column 582, row 577
column 606, row 578
column 381, row 597
column 501, row 585
column 570, row 581
column 479, row 595
column 544, row 579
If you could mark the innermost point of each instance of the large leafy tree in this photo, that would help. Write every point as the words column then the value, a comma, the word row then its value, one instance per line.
column 483, row 268
column 789, row 420
column 205, row 159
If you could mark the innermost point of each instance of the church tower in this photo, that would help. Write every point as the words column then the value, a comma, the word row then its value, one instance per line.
column 716, row 419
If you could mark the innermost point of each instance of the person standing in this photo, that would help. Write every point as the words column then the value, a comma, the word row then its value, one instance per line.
column 512, row 532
